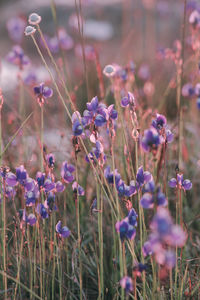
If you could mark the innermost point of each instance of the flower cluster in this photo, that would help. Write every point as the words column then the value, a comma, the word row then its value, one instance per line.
column 152, row 196
column 96, row 115
column 164, row 236
column 126, row 227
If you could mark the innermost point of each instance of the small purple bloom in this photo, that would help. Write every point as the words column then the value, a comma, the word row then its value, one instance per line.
column 16, row 28
column 40, row 178
column 180, row 183
column 62, row 231
column 50, row 158
column 188, row 90
column 11, row 179
column 128, row 100
column 127, row 284
column 42, row 92
column 76, row 186
column 59, row 187
column 30, row 219
column 93, row 105
column 17, row 57
column 41, row 210
column 151, row 140
column 49, row 185
column 21, row 174
column 159, row 122
column 142, row 177
column 66, row 172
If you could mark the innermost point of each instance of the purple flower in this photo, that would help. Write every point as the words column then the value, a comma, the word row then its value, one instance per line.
column 194, row 19
column 21, row 174
column 30, row 198
column 128, row 100
column 41, row 210
column 127, row 284
column 17, row 57
column 49, row 185
column 11, row 179
column 42, row 92
column 66, row 172
column 159, row 122
column 59, row 187
column 142, row 177
column 188, row 90
column 30, row 219
column 169, row 135
column 152, row 196
column 16, row 28
column 151, row 140
column 165, row 230
column 132, row 217
column 62, row 231
column 180, row 183
column 109, row 175
column 76, row 186
column 77, row 127
column 139, row 268
column 50, row 158
column 126, row 227
column 113, row 114
column 97, row 153
column 40, row 178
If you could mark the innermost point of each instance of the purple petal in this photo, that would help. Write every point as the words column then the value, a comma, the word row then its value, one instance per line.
column 187, row 184
column 47, row 92
column 147, row 201
column 172, row 183
column 11, row 179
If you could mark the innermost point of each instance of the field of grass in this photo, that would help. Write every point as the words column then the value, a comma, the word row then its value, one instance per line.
column 100, row 157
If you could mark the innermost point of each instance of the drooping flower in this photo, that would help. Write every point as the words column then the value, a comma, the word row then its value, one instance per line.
column 41, row 210
column 66, row 172
column 77, row 188
column 151, row 140
column 30, row 219
column 40, row 178
column 62, row 231
column 127, row 284
column 128, row 100
column 159, row 122
column 42, row 92
column 126, row 227
column 50, row 158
